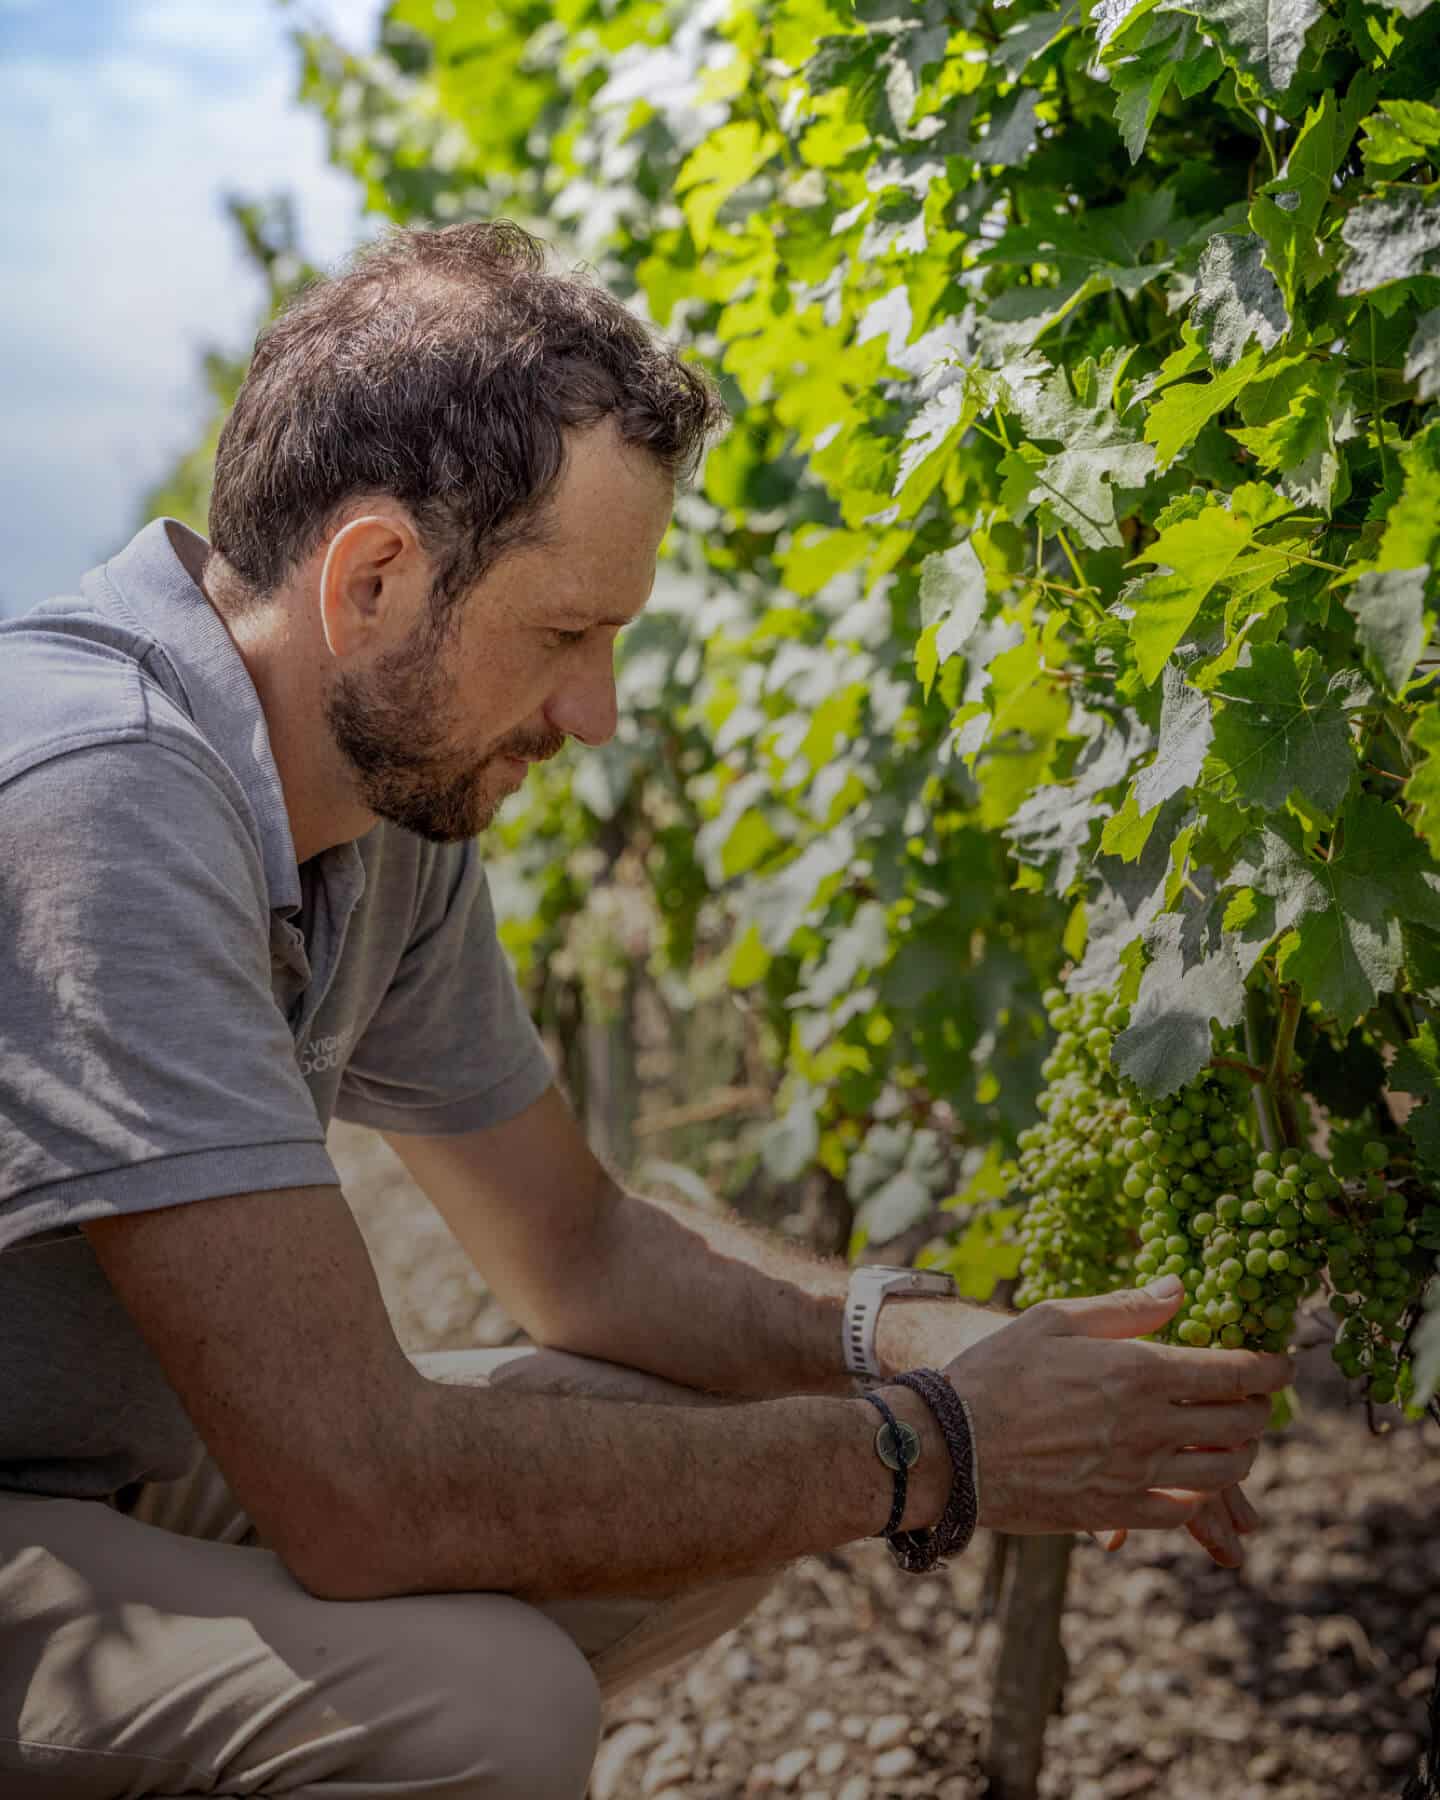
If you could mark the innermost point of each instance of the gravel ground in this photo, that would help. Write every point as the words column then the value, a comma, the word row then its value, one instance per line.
column 1302, row 1677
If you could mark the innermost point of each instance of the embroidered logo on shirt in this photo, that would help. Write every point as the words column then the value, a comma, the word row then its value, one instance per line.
column 327, row 1052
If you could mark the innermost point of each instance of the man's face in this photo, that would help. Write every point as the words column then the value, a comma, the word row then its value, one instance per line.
column 441, row 728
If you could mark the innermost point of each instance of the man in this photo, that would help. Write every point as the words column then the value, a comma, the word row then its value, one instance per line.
column 246, row 1545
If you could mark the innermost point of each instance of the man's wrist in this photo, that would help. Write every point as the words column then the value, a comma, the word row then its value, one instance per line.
column 928, row 1484
column 931, row 1333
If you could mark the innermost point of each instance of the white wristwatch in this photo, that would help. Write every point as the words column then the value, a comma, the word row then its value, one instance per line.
column 871, row 1286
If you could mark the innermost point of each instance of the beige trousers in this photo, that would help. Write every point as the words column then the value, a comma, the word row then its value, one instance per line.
column 156, row 1647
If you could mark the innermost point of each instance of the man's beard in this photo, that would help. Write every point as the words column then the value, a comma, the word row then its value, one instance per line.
column 388, row 724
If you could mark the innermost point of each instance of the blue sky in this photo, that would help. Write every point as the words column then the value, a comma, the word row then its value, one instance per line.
column 125, row 123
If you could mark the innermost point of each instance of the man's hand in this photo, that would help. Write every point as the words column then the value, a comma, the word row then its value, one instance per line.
column 1218, row 1527
column 1078, row 1428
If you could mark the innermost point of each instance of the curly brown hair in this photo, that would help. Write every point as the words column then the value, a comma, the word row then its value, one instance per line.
column 442, row 367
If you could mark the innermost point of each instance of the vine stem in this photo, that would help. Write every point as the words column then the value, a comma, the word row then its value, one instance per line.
column 1257, row 1024
column 1277, row 1075
column 1253, row 1070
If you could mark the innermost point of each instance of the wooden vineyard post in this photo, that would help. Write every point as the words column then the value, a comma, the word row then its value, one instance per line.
column 1030, row 1663
column 611, row 1088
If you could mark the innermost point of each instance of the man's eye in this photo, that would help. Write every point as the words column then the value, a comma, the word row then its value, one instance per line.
column 561, row 639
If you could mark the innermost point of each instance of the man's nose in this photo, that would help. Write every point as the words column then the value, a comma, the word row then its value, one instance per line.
column 586, row 707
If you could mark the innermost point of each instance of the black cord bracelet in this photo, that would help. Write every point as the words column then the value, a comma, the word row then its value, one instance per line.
column 899, row 1468
column 918, row 1552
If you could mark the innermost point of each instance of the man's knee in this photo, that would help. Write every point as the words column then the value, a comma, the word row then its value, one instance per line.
column 534, row 1733
column 478, row 1697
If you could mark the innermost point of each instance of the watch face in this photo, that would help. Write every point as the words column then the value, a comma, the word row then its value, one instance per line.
column 898, row 1448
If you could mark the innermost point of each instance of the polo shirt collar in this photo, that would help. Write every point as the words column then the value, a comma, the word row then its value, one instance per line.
column 154, row 587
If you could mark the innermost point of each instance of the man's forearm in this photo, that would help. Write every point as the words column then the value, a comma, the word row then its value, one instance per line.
column 714, row 1304
column 544, row 1495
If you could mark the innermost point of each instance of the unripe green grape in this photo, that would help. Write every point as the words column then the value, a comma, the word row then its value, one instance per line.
column 1375, row 1155
column 1232, row 1337
column 1267, row 1161
column 1257, row 1261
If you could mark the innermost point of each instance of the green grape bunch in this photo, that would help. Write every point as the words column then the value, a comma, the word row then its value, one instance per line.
column 1120, row 1186
column 1376, row 1274
column 1077, row 1235
column 1260, row 1254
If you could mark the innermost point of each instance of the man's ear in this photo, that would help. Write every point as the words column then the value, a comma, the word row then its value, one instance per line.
column 372, row 574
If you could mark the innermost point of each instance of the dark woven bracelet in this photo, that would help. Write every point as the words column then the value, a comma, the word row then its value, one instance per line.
column 920, row 1551
column 902, row 1474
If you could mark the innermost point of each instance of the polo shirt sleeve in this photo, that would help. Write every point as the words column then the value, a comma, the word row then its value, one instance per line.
column 451, row 1047
column 143, row 1059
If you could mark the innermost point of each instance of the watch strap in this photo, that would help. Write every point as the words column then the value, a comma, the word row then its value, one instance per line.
column 870, row 1286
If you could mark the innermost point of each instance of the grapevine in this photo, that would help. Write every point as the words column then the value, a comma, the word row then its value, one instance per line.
column 1119, row 1185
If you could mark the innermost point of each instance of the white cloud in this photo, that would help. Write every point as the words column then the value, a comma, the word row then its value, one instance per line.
column 118, row 264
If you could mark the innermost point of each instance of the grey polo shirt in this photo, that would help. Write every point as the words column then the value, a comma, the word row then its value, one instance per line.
column 182, row 1009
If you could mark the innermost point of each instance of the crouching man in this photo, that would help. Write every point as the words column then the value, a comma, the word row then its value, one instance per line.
column 247, row 1545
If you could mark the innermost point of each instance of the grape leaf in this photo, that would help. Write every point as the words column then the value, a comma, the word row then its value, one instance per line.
column 1217, row 545
column 1011, row 134
column 1412, row 524
column 1286, row 212
column 1390, row 620
column 779, row 904
column 1178, row 415
column 1391, row 237
column 1052, row 827
column 723, row 162
column 1022, row 43
column 1107, row 243
column 788, row 1144
column 1401, row 133
column 1237, row 299
column 1423, row 788
column 930, row 437
column 1194, row 976
column 1141, row 80
column 1299, row 446
column 1416, row 1071
column 952, row 596
column 1345, row 912
column 1282, row 729
column 1072, row 483
column 1185, row 733
column 1422, row 359
column 1127, row 898
column 1266, row 36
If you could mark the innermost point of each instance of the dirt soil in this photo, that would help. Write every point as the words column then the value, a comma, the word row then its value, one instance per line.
column 1302, row 1677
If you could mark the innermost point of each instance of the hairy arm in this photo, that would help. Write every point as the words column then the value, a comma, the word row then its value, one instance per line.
column 700, row 1298
column 264, row 1313
column 697, row 1297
